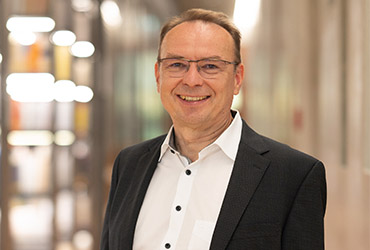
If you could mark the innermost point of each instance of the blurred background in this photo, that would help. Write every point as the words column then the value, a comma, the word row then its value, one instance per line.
column 77, row 85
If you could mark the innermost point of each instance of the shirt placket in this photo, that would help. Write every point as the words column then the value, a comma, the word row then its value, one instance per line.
column 179, row 205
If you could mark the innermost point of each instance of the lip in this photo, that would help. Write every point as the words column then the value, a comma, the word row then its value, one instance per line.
column 193, row 99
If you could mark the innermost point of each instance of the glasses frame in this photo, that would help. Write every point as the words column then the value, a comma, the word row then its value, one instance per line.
column 160, row 60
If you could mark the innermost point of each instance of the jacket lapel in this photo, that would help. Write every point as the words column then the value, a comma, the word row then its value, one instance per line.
column 248, row 171
column 148, row 163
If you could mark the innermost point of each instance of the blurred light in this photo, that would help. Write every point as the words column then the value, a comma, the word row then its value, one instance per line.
column 83, row 94
column 24, row 38
column 64, row 211
column 31, row 220
column 30, row 24
column 30, row 87
column 30, row 138
column 63, row 38
column 111, row 13
column 246, row 14
column 80, row 149
column 29, row 77
column 64, row 245
column 1, row 57
column 82, row 240
column 64, row 138
column 82, row 5
column 64, row 91
column 82, row 49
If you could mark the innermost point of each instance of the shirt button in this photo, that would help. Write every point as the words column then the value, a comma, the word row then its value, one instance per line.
column 188, row 172
column 178, row 208
column 167, row 245
column 173, row 152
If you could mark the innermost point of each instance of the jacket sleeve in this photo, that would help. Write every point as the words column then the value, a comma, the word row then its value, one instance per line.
column 104, row 243
column 304, row 228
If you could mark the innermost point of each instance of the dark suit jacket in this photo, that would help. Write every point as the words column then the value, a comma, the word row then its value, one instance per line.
column 276, row 197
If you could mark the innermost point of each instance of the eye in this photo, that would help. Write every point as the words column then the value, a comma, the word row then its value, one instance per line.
column 176, row 64
column 210, row 66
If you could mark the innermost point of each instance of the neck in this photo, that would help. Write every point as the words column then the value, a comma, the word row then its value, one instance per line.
column 190, row 140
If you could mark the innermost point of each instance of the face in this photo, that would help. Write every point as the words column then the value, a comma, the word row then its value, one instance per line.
column 192, row 100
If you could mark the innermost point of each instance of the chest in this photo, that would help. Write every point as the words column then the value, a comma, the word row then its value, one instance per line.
column 183, row 201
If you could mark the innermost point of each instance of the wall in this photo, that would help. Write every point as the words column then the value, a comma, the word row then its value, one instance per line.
column 308, row 86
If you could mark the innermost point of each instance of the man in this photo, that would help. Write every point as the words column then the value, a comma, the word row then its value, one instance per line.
column 211, row 182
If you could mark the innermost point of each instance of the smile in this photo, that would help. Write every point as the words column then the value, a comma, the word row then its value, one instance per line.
column 193, row 98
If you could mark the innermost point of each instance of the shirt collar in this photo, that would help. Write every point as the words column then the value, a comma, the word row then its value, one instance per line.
column 230, row 138
column 166, row 143
column 228, row 141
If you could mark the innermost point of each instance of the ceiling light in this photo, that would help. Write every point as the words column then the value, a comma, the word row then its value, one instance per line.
column 246, row 14
column 24, row 38
column 82, row 5
column 64, row 91
column 63, row 38
column 30, row 24
column 30, row 138
column 82, row 49
column 111, row 13
column 30, row 87
column 83, row 94
column 31, row 78
column 64, row 138
column 1, row 57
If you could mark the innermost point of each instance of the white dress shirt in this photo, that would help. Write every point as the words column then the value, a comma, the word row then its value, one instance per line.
column 184, row 198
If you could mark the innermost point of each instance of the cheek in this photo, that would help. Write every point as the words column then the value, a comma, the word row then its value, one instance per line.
column 227, row 92
column 166, row 86
column 164, row 89
column 230, row 88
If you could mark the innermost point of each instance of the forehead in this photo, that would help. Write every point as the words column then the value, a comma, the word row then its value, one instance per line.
column 198, row 39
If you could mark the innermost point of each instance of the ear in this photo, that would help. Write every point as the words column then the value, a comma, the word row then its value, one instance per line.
column 239, row 76
column 157, row 76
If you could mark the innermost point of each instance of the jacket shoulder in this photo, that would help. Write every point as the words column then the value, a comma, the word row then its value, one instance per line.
column 282, row 157
column 284, row 151
column 271, row 148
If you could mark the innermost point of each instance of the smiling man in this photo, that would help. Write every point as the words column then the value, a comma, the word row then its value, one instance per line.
column 211, row 182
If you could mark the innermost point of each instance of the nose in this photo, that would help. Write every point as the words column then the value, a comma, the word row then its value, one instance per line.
column 192, row 76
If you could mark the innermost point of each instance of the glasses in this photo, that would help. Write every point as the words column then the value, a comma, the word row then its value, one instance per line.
column 207, row 68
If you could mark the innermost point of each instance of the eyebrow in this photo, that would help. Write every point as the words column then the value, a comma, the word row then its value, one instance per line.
column 175, row 56
column 170, row 55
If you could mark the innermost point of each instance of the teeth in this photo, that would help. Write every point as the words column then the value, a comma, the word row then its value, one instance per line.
column 193, row 99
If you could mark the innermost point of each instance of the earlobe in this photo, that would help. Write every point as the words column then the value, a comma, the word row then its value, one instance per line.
column 239, row 76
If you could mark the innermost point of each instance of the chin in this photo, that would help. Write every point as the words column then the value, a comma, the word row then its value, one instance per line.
column 193, row 120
